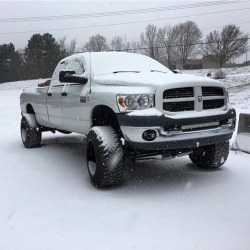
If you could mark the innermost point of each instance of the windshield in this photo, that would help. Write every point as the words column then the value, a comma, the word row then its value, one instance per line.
column 120, row 62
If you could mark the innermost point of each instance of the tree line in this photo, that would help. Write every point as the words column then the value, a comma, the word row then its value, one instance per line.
column 168, row 44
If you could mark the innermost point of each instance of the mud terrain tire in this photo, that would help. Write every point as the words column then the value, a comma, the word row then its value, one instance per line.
column 210, row 157
column 104, row 157
column 30, row 131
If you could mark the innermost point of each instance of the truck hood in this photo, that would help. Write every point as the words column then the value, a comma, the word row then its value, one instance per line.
column 153, row 79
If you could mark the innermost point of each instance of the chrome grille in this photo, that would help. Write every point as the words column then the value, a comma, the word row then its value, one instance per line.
column 178, row 106
column 212, row 91
column 193, row 98
column 178, row 93
column 213, row 104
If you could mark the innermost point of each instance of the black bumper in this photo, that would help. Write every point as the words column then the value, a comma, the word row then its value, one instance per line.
column 197, row 139
column 150, row 121
column 183, row 144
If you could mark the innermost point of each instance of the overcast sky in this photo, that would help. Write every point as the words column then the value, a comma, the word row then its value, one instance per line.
column 238, row 12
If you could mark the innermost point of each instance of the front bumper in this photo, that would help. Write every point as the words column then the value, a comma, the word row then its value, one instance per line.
column 177, row 133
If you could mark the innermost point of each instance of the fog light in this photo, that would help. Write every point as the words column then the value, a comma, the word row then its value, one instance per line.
column 149, row 135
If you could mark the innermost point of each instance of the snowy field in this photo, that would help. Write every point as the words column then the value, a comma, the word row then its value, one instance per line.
column 48, row 202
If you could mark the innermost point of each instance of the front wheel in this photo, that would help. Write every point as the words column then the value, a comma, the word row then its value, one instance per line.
column 30, row 131
column 210, row 157
column 104, row 157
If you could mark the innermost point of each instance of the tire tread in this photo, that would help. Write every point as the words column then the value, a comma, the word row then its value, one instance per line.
column 105, row 151
column 33, row 134
column 212, row 156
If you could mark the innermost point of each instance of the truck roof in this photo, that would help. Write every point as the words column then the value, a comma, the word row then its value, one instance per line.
column 112, row 61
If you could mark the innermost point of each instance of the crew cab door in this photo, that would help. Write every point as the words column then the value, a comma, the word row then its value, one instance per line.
column 54, row 97
column 75, row 98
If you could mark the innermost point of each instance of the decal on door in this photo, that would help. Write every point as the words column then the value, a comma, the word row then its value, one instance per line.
column 84, row 99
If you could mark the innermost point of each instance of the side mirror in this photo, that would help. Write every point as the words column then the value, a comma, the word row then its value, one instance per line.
column 71, row 77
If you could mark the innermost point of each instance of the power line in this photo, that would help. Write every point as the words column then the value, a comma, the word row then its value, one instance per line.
column 137, row 38
column 120, row 13
column 167, row 46
column 223, row 26
column 178, row 45
column 217, row 27
column 123, row 23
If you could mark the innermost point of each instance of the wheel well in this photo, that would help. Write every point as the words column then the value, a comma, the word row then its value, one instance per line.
column 105, row 116
column 29, row 109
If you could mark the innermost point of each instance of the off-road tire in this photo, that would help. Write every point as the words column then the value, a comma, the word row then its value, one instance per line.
column 104, row 157
column 30, row 133
column 210, row 157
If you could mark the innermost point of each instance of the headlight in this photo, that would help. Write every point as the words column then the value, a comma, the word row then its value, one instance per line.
column 128, row 103
column 144, row 101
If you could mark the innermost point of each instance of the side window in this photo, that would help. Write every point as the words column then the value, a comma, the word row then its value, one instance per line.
column 60, row 67
column 76, row 65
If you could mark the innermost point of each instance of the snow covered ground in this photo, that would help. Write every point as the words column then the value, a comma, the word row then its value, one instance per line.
column 237, row 82
column 47, row 201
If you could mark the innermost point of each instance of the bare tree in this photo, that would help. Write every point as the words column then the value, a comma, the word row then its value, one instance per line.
column 71, row 49
column 120, row 44
column 116, row 43
column 225, row 45
column 62, row 44
column 135, row 47
column 149, row 42
column 167, row 38
column 96, row 43
column 65, row 48
column 188, row 35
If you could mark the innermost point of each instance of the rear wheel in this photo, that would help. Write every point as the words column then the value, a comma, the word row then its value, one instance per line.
column 30, row 131
column 104, row 157
column 210, row 157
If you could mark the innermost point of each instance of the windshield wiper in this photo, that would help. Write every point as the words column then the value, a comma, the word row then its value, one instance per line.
column 155, row 70
column 121, row 71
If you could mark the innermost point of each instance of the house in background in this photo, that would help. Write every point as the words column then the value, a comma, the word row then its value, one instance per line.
column 207, row 62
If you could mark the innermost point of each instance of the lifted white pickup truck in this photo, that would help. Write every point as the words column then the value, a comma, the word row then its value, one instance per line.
column 129, row 105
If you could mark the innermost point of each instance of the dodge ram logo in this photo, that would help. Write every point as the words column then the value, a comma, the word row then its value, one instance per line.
column 199, row 98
